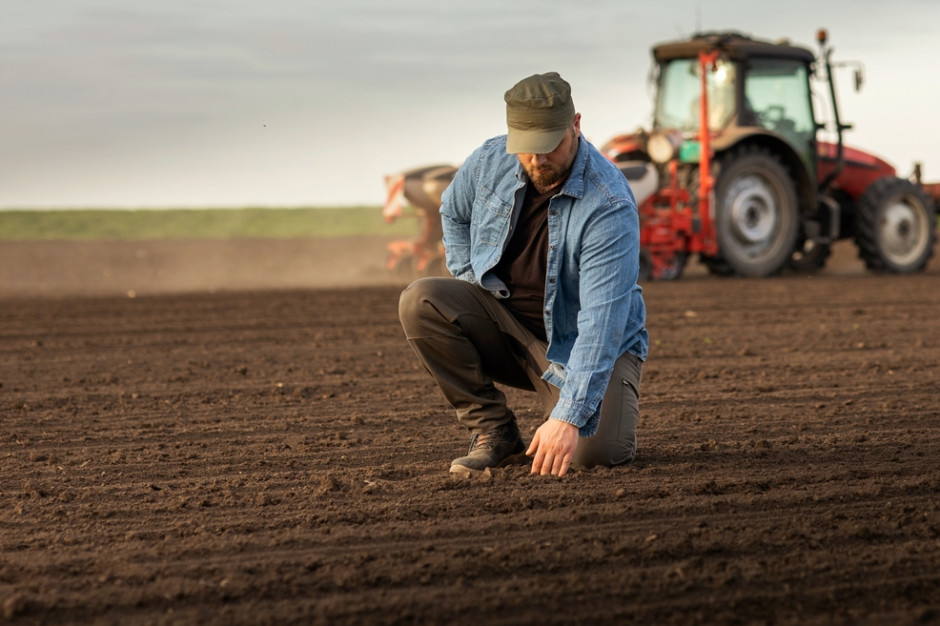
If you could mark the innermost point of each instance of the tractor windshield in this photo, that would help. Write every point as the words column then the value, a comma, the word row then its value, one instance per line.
column 679, row 95
column 776, row 93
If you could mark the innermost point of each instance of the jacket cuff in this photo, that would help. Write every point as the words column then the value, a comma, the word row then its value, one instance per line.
column 578, row 416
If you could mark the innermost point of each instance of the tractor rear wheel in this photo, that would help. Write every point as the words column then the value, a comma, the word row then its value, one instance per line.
column 896, row 227
column 756, row 215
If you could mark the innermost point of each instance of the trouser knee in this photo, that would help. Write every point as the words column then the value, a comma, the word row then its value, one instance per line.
column 591, row 452
column 614, row 443
column 413, row 303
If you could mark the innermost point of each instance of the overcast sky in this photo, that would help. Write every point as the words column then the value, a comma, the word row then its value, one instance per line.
column 212, row 103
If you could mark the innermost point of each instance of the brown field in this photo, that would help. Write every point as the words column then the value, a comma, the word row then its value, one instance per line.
column 248, row 440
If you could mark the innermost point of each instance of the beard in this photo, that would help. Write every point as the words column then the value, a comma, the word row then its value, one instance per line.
column 553, row 171
column 547, row 175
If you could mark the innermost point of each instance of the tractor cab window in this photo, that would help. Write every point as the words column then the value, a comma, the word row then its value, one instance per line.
column 776, row 96
column 679, row 95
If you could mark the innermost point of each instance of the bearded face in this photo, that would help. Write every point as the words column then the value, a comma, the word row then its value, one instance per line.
column 547, row 171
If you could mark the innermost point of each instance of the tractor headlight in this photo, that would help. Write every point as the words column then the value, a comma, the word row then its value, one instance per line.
column 663, row 146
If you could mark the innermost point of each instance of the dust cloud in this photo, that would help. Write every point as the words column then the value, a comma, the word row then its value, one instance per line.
column 68, row 268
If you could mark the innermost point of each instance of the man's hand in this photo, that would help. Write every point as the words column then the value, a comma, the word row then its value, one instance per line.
column 553, row 445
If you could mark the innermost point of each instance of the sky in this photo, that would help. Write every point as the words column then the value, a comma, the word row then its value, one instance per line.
column 284, row 103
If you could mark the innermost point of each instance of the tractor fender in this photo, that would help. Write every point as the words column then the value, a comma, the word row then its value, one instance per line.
column 803, row 180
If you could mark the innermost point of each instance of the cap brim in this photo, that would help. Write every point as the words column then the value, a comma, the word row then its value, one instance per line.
column 533, row 141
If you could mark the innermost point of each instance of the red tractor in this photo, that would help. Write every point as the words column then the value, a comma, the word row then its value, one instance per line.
column 734, row 168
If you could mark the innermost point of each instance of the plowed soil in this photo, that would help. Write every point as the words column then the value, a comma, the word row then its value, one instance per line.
column 234, row 438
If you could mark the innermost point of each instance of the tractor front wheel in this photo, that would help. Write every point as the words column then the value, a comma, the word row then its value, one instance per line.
column 896, row 226
column 756, row 215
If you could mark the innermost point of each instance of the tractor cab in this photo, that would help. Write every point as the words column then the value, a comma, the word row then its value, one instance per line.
column 752, row 86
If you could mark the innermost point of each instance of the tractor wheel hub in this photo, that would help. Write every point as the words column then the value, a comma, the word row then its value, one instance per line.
column 753, row 212
column 899, row 235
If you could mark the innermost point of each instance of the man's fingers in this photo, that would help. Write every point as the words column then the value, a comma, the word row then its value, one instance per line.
column 534, row 445
column 561, row 465
column 546, row 467
column 549, row 464
column 538, row 463
column 552, row 453
column 534, row 449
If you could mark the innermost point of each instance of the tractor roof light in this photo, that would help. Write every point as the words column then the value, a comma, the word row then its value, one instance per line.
column 663, row 146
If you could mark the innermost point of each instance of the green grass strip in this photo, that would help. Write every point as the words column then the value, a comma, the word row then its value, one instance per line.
column 93, row 224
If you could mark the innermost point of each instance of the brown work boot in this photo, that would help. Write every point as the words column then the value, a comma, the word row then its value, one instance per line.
column 500, row 445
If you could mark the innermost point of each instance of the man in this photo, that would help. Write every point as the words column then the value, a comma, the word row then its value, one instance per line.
column 542, row 239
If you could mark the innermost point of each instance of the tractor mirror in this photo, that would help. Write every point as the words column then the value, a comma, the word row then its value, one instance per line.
column 858, row 79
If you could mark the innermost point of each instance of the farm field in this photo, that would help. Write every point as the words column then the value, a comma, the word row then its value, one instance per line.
column 235, row 432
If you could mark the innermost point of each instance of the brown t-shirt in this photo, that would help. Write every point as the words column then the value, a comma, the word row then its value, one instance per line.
column 523, row 264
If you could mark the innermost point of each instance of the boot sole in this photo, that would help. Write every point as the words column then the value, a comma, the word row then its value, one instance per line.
column 513, row 459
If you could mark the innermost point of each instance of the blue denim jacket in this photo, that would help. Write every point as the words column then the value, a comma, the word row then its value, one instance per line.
column 594, row 309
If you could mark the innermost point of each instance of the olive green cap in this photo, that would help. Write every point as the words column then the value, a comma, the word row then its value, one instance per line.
column 538, row 112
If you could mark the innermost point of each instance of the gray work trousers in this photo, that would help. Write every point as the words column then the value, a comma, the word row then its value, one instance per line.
column 468, row 341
